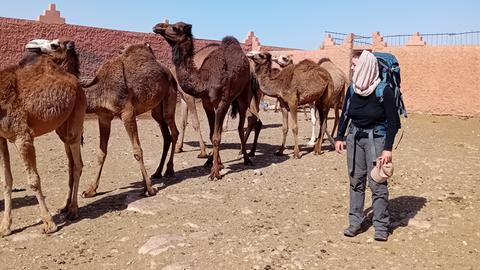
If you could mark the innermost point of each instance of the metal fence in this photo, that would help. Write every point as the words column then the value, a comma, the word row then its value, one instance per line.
column 437, row 39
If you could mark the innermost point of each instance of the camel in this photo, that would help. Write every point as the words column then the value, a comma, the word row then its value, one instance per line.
column 126, row 86
column 295, row 85
column 36, row 97
column 188, row 106
column 340, row 84
column 222, row 80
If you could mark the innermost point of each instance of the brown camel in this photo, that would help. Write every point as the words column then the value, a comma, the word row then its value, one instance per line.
column 295, row 85
column 340, row 83
column 36, row 97
column 222, row 80
column 126, row 86
column 188, row 105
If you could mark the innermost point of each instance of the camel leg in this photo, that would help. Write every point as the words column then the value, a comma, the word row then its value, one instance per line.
column 284, row 130
column 7, row 189
column 26, row 149
column 164, row 114
column 68, row 199
column 337, row 118
column 196, row 126
column 75, row 165
column 158, row 115
column 323, row 127
column 241, row 133
column 104, row 124
column 253, row 122
column 313, row 120
column 130, row 123
column 184, row 109
column 220, row 114
column 210, row 112
column 293, row 113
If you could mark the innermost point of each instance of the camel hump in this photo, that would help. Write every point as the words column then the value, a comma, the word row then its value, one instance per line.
column 229, row 40
column 323, row 60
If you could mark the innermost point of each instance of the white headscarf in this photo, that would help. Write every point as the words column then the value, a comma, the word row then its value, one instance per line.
column 365, row 76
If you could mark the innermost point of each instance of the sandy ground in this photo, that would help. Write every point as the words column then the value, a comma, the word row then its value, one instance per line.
column 280, row 213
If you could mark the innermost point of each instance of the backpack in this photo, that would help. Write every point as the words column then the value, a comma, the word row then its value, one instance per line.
column 389, row 70
column 390, row 74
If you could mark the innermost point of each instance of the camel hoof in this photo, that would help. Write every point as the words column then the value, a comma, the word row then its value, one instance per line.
column 248, row 162
column 151, row 191
column 202, row 155
column 169, row 173
column 214, row 176
column 310, row 143
column 178, row 150
column 5, row 230
column 49, row 226
column 72, row 214
column 89, row 193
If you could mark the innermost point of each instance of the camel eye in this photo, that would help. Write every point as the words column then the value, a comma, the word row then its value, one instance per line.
column 175, row 29
column 54, row 46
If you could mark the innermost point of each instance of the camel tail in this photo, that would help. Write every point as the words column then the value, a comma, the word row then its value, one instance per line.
column 234, row 111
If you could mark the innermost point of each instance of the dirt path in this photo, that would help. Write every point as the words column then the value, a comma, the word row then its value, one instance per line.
column 278, row 214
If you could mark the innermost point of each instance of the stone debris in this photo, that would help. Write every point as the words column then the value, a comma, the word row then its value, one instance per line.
column 160, row 243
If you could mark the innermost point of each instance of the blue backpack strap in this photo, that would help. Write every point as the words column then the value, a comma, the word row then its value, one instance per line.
column 351, row 92
column 380, row 89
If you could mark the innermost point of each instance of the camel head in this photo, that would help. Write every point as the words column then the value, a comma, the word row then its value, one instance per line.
column 283, row 60
column 62, row 52
column 260, row 58
column 174, row 34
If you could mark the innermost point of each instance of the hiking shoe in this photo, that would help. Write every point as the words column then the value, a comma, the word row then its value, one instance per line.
column 352, row 231
column 381, row 236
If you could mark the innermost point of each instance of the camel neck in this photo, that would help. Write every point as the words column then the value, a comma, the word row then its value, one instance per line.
column 187, row 73
column 93, row 96
column 267, row 85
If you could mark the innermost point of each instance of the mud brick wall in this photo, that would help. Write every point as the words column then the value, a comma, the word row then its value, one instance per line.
column 94, row 45
column 435, row 79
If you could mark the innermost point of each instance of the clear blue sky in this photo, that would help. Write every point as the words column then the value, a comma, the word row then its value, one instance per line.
column 287, row 23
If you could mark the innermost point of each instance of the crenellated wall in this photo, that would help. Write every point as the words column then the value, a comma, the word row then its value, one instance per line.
column 435, row 79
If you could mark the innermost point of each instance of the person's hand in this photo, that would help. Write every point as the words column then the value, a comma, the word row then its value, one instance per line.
column 386, row 157
column 339, row 146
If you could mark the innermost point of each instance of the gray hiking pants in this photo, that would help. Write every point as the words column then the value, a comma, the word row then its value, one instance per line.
column 360, row 163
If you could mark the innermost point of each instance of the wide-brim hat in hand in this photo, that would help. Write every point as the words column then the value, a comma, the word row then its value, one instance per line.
column 380, row 173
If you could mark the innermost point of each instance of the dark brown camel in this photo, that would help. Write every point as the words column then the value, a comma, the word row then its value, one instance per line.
column 188, row 106
column 126, row 86
column 36, row 97
column 222, row 80
column 295, row 85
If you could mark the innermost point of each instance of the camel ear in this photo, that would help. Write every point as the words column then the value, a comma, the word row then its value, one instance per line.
column 70, row 45
column 187, row 28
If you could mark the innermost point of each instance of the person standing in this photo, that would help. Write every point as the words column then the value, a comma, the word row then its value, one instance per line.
column 374, row 124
